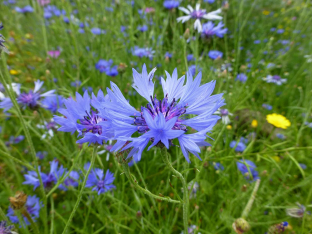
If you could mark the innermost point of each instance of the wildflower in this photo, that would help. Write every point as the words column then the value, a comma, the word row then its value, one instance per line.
column 297, row 212
column 278, row 228
column 142, row 28
column 168, row 55
column 224, row 115
column 241, row 77
column 71, row 181
column 81, row 117
column 280, row 136
column 229, row 127
column 112, row 71
column 18, row 201
column 193, row 69
column 164, row 120
column 26, row 9
column 143, row 52
column 41, row 154
column 76, row 83
column 190, row 57
column 198, row 14
column 171, row 4
column 209, row 1
column 278, row 121
column 218, row 166
column 30, row 99
column 209, row 30
column 99, row 182
column 15, row 140
column 32, row 206
column 240, row 147
column 267, row 106
column 248, row 169
column 275, row 79
column 43, row 2
column 4, row 229
column 31, row 178
column 309, row 58
column 192, row 230
column 215, row 54
column 254, row 123
column 52, row 103
column 54, row 53
column 308, row 124
column 49, row 128
column 103, row 65
column 97, row 31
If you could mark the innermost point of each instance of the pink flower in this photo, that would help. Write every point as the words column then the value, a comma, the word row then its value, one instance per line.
column 149, row 10
column 54, row 53
column 43, row 2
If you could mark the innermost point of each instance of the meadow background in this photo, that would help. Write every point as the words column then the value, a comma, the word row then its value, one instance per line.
column 263, row 38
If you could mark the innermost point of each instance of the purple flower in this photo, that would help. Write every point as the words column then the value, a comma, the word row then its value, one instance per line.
column 193, row 69
column 53, row 103
column 190, row 57
column 241, row 77
column 280, row 136
column 209, row 1
column 142, row 28
column 97, row 31
column 54, row 53
column 161, row 121
column 267, row 106
column 112, row 71
column 4, row 229
column 32, row 205
column 30, row 99
column 41, row 154
column 168, row 55
column 275, row 79
column 171, row 4
column 103, row 65
column 248, row 169
column 76, row 83
column 239, row 147
column 47, row 179
column 215, row 54
column 209, row 30
column 99, row 182
column 280, row 31
column 14, row 140
column 143, row 52
column 193, row 187
column 87, row 117
column 218, row 166
column 71, row 181
column 26, row 9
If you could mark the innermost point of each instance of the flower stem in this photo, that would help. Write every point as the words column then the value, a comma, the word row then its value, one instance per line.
column 251, row 200
column 145, row 191
column 165, row 158
column 81, row 190
column 29, row 218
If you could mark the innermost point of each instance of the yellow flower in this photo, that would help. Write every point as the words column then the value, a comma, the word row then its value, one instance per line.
column 13, row 72
column 254, row 123
column 278, row 121
column 265, row 12
column 228, row 127
column 276, row 158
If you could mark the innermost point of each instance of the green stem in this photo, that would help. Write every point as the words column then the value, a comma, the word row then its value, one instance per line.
column 9, row 90
column 165, row 158
column 145, row 191
column 251, row 200
column 33, row 224
column 81, row 191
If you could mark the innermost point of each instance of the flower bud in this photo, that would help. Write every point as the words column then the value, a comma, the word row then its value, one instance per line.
column 186, row 34
column 278, row 228
column 241, row 226
column 18, row 201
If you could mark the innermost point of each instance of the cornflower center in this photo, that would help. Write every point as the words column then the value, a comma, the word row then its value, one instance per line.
column 30, row 99
column 224, row 112
column 100, row 184
column 198, row 14
column 169, row 110
column 90, row 122
column 276, row 78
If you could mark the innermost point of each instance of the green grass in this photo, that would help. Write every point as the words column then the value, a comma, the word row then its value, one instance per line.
column 222, row 195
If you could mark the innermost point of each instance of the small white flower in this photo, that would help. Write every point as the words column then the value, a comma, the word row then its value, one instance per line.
column 275, row 79
column 309, row 58
column 224, row 115
column 198, row 14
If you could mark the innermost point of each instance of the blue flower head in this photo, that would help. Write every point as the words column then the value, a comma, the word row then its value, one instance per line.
column 171, row 4
column 87, row 117
column 163, row 120
column 248, row 169
column 239, row 147
column 32, row 205
column 209, row 30
column 215, row 54
column 53, row 103
column 4, row 229
column 241, row 77
column 99, row 182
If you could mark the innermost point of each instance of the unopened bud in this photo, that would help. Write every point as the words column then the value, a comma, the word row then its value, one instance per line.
column 241, row 226
column 278, row 228
column 186, row 34
column 18, row 201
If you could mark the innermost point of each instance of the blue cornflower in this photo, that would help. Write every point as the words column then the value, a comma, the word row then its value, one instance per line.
column 209, row 1
column 25, row 9
column 239, row 147
column 142, row 28
column 99, row 182
column 303, row 166
column 257, row 41
column 112, row 71
column 15, row 140
column 161, row 121
column 218, row 166
column 280, row 136
column 209, row 29
column 32, row 206
column 76, row 83
column 171, row 4
column 41, row 154
column 192, row 187
column 71, row 181
column 168, row 55
column 267, row 106
column 97, row 31
column 4, row 229
column 215, row 54
column 248, row 169
column 103, row 65
column 190, row 57
column 193, row 69
column 241, row 77
column 52, row 103
column 280, row 31
column 91, row 124
column 47, row 179
column 2, row 46
column 143, row 52
column 30, row 99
